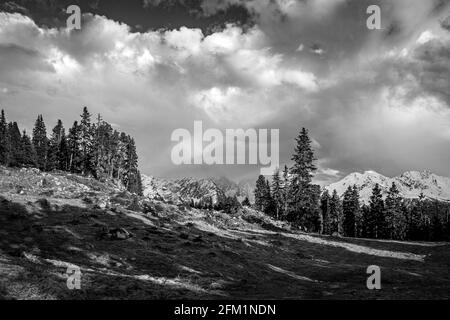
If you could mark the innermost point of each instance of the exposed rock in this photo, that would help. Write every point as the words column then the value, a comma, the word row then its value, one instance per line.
column 114, row 234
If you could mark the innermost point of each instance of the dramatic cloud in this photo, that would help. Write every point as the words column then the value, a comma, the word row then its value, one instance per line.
column 375, row 100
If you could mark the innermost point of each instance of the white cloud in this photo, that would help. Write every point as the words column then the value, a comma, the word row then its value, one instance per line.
column 425, row 37
column 233, row 106
column 367, row 89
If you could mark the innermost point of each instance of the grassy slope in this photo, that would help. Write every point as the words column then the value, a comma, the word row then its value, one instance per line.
column 196, row 254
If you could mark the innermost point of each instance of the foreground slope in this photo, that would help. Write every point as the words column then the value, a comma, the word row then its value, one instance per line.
column 51, row 221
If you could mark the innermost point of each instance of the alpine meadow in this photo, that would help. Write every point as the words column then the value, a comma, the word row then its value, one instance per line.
column 225, row 158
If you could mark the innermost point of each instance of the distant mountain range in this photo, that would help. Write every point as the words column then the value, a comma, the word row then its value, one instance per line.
column 186, row 189
column 410, row 184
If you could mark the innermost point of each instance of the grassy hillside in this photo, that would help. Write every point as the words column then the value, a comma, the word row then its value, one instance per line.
column 130, row 249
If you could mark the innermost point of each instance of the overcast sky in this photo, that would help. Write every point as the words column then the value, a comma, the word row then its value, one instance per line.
column 371, row 99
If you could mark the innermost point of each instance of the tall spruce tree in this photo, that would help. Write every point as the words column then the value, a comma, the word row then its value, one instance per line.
column 376, row 223
column 260, row 193
column 28, row 155
column 131, row 172
column 74, row 148
column 358, row 213
column 15, row 145
column 325, row 212
column 367, row 226
column 4, row 140
column 285, row 190
column 350, row 207
column 396, row 222
column 303, row 206
column 277, row 193
column 270, row 207
column 303, row 169
column 86, row 143
column 114, row 157
column 335, row 214
column 103, row 148
column 54, row 147
column 40, row 143
column 63, row 154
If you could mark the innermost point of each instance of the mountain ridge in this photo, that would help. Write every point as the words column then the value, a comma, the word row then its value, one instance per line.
column 411, row 184
column 185, row 190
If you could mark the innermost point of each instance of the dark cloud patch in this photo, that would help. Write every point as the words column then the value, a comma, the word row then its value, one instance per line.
column 439, row 5
column 24, row 59
column 11, row 6
column 432, row 68
column 446, row 23
column 47, row 13
column 192, row 13
column 138, row 14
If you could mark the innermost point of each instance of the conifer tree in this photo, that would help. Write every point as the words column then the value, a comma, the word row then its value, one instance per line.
column 86, row 143
column 325, row 212
column 303, row 206
column 350, row 207
column 376, row 223
column 335, row 214
column 74, row 148
column 269, row 201
column 114, row 158
column 40, row 143
column 277, row 195
column 285, row 189
column 15, row 145
column 366, row 222
column 131, row 175
column 63, row 154
column 303, row 157
column 54, row 147
column 4, row 140
column 103, row 148
column 260, row 193
column 396, row 223
column 28, row 155
column 358, row 213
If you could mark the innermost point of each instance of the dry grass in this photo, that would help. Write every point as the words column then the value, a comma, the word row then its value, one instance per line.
column 196, row 254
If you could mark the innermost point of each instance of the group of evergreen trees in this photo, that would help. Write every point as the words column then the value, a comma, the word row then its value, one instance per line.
column 292, row 197
column 92, row 149
column 391, row 218
column 229, row 204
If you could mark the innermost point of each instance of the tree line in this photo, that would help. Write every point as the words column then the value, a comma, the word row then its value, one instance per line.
column 89, row 148
column 228, row 204
column 291, row 196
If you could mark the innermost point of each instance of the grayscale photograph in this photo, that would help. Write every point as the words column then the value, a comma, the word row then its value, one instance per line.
column 225, row 150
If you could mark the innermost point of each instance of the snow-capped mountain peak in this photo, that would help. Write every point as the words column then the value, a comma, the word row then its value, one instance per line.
column 410, row 184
